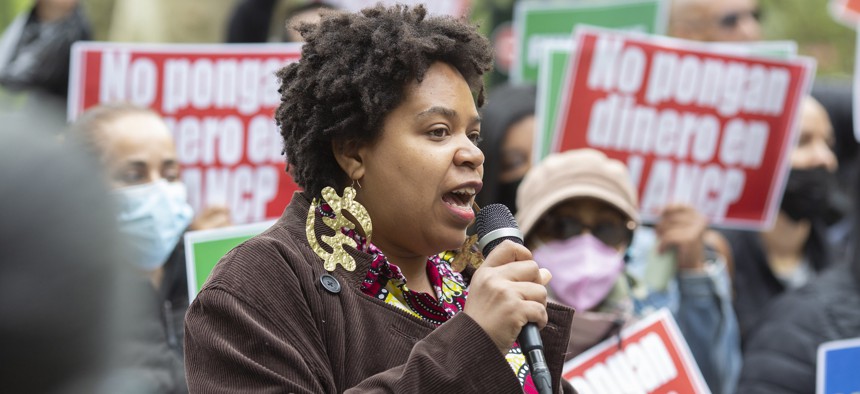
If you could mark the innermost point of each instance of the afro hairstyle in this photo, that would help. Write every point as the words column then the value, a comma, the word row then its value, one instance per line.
column 353, row 72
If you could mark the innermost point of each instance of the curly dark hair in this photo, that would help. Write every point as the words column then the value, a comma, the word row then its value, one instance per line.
column 353, row 72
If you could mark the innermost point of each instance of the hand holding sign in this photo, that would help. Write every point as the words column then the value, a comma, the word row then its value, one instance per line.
column 213, row 216
column 682, row 229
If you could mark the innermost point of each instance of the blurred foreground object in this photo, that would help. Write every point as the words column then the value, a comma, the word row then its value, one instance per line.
column 56, row 267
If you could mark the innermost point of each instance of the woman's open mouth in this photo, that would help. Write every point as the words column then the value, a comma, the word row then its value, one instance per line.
column 459, row 202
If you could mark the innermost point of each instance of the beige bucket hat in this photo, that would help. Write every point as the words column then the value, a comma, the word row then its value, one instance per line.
column 570, row 174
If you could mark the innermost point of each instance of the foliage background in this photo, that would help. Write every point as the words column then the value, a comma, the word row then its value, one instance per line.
column 809, row 23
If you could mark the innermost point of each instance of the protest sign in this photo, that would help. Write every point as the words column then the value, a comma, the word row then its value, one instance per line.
column 838, row 367
column 694, row 125
column 540, row 23
column 651, row 358
column 204, row 248
column 846, row 11
column 219, row 102
column 551, row 71
column 553, row 66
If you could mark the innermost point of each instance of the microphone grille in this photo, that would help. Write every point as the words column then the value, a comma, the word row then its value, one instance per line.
column 493, row 217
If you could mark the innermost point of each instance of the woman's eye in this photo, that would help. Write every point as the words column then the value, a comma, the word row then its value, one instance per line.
column 438, row 133
column 475, row 137
column 131, row 177
column 171, row 173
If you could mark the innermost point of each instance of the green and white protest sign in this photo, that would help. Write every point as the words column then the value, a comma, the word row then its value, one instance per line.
column 549, row 88
column 541, row 23
column 204, row 248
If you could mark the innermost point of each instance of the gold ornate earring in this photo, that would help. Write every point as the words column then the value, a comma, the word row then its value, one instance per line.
column 340, row 206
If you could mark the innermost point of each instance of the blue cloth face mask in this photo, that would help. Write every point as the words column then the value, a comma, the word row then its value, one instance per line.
column 152, row 217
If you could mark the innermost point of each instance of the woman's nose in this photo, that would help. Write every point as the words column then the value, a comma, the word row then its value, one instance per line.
column 749, row 28
column 468, row 154
column 823, row 156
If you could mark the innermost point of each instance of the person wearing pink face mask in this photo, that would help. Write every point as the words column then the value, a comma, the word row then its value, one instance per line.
column 578, row 213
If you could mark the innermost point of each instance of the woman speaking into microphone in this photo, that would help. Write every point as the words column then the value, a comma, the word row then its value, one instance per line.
column 351, row 290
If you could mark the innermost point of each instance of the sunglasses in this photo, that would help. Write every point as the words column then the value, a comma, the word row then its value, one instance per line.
column 611, row 233
column 732, row 19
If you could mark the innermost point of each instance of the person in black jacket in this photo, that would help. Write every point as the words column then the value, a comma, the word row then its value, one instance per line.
column 35, row 49
column 794, row 251
column 35, row 52
column 780, row 355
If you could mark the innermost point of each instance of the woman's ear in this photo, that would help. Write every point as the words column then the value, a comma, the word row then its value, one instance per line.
column 349, row 157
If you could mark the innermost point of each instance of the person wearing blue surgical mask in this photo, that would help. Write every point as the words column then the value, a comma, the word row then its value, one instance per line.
column 139, row 160
column 578, row 211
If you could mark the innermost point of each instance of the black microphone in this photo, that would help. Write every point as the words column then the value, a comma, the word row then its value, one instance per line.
column 494, row 224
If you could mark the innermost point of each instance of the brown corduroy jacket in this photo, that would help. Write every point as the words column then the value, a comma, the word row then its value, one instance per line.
column 264, row 323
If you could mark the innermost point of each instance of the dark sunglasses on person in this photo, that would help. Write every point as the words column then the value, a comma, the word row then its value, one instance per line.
column 732, row 19
column 611, row 233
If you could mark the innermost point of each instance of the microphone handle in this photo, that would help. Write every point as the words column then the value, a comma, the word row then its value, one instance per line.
column 532, row 347
column 496, row 224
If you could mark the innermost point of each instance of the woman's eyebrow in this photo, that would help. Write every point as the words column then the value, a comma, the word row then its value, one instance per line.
column 136, row 164
column 445, row 111
column 437, row 110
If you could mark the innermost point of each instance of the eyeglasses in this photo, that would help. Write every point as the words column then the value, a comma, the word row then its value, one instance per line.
column 611, row 233
column 732, row 19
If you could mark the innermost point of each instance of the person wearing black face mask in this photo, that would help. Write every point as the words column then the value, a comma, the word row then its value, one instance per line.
column 808, row 194
column 823, row 311
column 794, row 250
column 507, row 129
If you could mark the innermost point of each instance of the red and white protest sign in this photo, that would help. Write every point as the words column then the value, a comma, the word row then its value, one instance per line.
column 218, row 100
column 652, row 358
column 846, row 11
column 694, row 125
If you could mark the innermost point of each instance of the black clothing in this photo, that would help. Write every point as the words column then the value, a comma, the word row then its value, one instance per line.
column 780, row 356
column 173, row 296
column 150, row 356
column 755, row 285
column 506, row 105
column 36, row 55
column 250, row 21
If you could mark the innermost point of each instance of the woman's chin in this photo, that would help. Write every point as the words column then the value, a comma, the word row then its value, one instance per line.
column 453, row 242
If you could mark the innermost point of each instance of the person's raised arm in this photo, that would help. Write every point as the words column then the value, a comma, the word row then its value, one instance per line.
column 705, row 314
